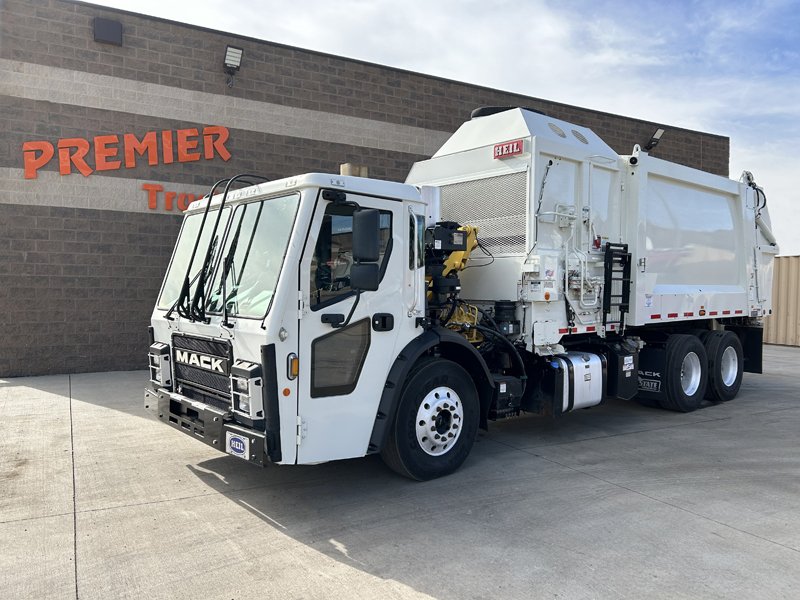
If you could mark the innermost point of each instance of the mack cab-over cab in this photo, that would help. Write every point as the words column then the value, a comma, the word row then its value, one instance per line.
column 322, row 287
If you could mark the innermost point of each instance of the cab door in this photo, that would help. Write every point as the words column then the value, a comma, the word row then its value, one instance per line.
column 343, row 369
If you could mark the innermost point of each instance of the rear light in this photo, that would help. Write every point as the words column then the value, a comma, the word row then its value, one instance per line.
column 158, row 362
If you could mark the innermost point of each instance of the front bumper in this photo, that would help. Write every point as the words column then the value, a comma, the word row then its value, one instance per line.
column 202, row 421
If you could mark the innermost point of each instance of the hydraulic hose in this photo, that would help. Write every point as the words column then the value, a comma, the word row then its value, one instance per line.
column 514, row 352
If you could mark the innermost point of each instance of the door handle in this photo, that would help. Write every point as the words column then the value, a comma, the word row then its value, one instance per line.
column 382, row 322
column 333, row 319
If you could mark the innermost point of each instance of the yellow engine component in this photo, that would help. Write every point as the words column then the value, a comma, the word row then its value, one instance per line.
column 466, row 314
column 458, row 259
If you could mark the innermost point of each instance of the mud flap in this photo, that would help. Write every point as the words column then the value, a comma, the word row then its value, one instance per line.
column 652, row 363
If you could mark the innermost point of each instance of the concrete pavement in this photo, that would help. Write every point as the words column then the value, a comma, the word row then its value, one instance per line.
column 98, row 500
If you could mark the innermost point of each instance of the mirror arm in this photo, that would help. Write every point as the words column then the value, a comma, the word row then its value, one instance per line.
column 338, row 320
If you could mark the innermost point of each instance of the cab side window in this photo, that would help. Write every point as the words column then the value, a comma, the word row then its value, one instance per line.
column 416, row 241
column 333, row 254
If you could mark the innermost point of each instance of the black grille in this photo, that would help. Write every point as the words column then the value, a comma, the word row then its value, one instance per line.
column 201, row 380
column 194, row 394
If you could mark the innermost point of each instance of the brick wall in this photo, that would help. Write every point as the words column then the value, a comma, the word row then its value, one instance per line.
column 78, row 287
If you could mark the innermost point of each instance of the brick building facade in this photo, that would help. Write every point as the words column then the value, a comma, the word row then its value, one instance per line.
column 82, row 255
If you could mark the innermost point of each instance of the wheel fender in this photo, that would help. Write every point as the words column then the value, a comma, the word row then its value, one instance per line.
column 452, row 346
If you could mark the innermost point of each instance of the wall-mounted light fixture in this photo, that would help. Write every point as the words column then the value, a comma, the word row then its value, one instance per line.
column 654, row 140
column 233, row 60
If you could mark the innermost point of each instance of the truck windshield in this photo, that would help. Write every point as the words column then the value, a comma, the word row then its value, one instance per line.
column 183, row 251
column 252, row 257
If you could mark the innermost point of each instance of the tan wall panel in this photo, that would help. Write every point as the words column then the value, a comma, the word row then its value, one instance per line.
column 783, row 326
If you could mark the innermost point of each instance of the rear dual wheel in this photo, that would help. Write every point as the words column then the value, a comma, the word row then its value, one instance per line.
column 725, row 365
column 708, row 365
column 685, row 373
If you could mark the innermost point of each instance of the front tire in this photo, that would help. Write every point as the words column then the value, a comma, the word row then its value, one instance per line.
column 436, row 421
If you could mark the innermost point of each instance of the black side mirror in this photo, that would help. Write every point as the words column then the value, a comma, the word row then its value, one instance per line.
column 365, row 277
column 366, row 235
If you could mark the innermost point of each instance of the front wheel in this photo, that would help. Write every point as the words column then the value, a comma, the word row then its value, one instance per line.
column 436, row 421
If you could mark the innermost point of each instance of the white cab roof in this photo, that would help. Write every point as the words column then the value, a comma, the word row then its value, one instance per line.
column 349, row 184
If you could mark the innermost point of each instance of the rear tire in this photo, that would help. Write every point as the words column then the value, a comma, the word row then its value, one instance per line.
column 436, row 421
column 686, row 373
column 725, row 365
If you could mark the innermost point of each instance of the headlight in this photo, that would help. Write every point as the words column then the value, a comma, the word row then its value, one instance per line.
column 158, row 360
column 241, row 385
column 246, row 389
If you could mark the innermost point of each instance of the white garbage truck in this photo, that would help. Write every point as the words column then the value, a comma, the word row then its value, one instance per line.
column 525, row 268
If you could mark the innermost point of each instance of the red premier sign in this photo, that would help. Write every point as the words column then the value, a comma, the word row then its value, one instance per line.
column 508, row 149
column 111, row 154
column 114, row 152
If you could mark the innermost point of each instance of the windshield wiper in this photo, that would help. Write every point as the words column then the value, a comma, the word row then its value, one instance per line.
column 184, row 294
column 229, row 258
column 226, row 267
column 182, row 303
column 197, row 310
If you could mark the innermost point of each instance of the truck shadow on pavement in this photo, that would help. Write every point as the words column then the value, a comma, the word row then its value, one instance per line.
column 511, row 493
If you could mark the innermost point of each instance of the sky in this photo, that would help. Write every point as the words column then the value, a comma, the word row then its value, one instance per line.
column 727, row 67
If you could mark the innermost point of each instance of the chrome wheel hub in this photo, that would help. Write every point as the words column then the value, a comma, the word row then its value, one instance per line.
column 690, row 374
column 729, row 366
column 439, row 420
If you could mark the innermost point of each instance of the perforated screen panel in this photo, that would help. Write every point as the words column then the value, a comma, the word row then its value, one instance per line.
column 496, row 205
